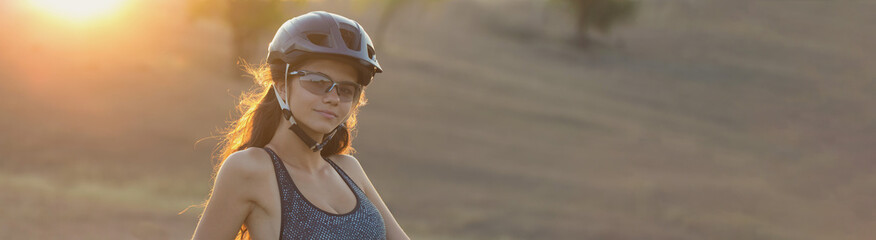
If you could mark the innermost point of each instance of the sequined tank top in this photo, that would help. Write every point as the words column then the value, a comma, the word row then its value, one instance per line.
column 302, row 220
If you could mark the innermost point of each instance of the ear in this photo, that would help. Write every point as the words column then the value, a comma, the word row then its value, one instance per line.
column 278, row 70
column 281, row 88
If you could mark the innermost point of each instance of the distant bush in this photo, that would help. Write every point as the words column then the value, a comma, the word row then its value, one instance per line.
column 597, row 15
column 247, row 19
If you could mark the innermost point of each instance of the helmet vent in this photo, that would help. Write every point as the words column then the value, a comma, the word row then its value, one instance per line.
column 351, row 38
column 318, row 39
column 370, row 52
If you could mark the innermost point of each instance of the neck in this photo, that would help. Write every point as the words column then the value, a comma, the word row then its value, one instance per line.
column 293, row 151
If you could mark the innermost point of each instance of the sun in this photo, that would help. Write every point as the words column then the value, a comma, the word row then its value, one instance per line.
column 78, row 10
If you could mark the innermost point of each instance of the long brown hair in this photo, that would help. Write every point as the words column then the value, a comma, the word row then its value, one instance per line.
column 260, row 114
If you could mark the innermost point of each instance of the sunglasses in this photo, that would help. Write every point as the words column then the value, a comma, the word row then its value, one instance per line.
column 320, row 85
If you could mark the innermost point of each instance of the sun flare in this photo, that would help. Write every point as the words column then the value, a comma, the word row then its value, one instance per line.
column 78, row 10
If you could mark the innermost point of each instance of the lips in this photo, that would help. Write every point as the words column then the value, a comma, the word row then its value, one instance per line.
column 327, row 114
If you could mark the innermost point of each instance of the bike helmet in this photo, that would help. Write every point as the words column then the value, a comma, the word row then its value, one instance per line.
column 327, row 35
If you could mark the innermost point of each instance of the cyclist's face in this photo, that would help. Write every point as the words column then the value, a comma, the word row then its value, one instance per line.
column 325, row 111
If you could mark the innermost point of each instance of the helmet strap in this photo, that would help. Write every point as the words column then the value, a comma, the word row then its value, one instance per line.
column 295, row 128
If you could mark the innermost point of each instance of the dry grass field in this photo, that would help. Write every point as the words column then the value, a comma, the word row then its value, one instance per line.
column 698, row 120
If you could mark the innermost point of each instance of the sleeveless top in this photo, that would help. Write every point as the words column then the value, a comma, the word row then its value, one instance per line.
column 301, row 219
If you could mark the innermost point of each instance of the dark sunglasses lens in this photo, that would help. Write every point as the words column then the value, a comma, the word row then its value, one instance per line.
column 315, row 84
column 347, row 92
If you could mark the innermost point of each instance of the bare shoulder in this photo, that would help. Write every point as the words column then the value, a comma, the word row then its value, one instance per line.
column 236, row 192
column 344, row 161
column 250, row 164
column 252, row 159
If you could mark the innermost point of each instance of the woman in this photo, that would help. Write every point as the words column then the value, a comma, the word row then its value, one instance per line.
column 286, row 172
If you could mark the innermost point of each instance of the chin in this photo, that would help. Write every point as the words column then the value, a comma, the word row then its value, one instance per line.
column 324, row 127
column 326, row 131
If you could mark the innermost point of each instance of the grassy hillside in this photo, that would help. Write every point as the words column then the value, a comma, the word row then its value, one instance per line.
column 699, row 120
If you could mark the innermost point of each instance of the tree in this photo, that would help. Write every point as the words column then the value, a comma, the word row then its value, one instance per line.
column 598, row 15
column 248, row 20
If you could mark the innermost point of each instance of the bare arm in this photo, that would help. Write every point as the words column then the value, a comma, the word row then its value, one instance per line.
column 354, row 169
column 230, row 202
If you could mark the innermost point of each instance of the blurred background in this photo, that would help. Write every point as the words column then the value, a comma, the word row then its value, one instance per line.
column 505, row 119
